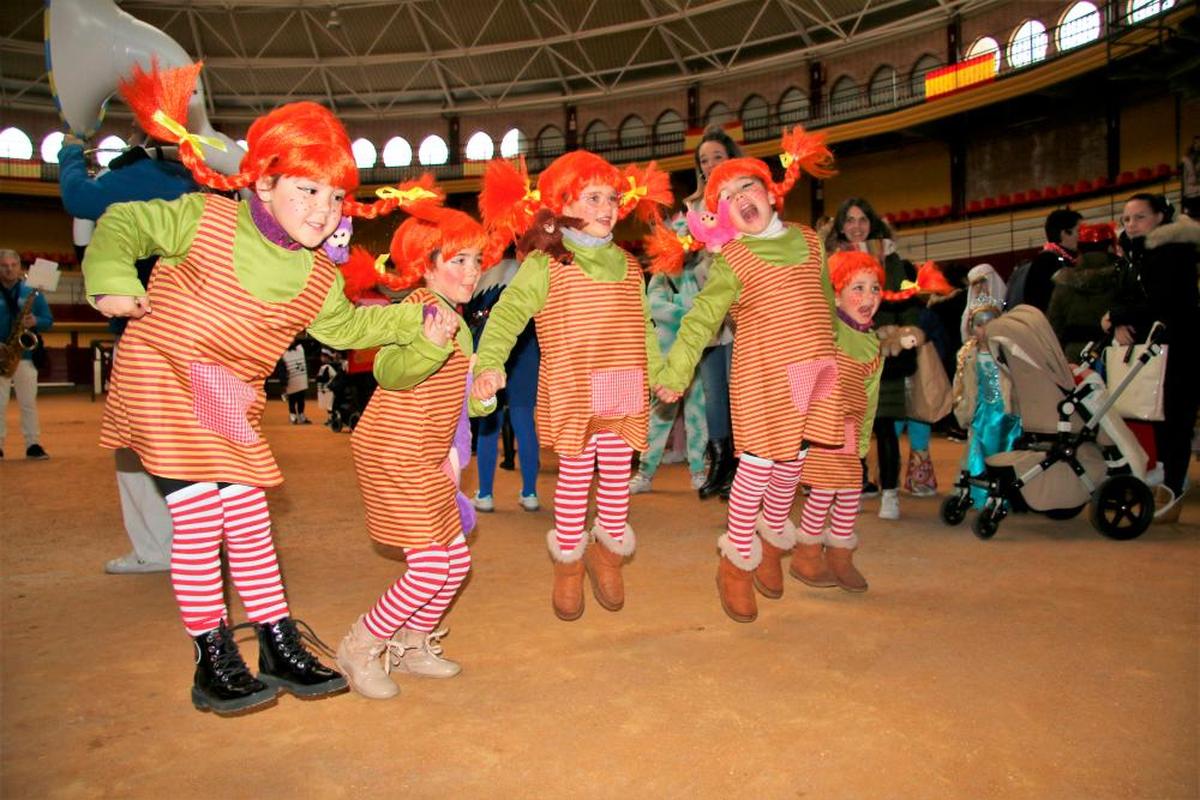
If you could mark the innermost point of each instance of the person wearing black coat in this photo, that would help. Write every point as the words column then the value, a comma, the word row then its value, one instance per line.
column 1062, row 242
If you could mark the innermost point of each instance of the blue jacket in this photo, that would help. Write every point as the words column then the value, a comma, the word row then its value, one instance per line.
column 41, row 311
column 144, row 179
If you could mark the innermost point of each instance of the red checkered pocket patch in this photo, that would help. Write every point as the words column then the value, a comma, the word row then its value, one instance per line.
column 618, row 392
column 850, row 448
column 810, row 381
column 221, row 401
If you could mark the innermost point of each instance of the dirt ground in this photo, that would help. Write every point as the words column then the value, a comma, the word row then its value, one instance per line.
column 1048, row 662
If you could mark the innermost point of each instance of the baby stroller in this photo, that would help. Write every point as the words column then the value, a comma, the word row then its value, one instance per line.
column 1073, row 452
column 346, row 409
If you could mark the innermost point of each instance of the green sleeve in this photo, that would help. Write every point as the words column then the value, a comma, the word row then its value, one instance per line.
column 344, row 326
column 130, row 231
column 654, row 358
column 864, row 435
column 699, row 325
column 403, row 366
column 520, row 300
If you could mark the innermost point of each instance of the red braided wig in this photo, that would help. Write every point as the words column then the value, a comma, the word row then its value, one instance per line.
column 844, row 265
column 432, row 230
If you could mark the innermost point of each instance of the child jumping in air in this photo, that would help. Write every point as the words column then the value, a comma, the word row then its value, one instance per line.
column 599, row 351
column 409, row 448
column 235, row 283
column 784, row 376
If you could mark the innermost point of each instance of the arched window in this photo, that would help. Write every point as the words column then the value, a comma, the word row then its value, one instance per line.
column 669, row 129
column 985, row 44
column 14, row 143
column 756, row 118
column 884, row 89
column 718, row 114
column 1028, row 44
column 433, row 151
column 1080, row 25
column 550, row 141
column 512, row 144
column 844, row 97
column 597, row 137
column 633, row 132
column 364, row 153
column 1144, row 9
column 925, row 64
column 50, row 147
column 480, row 147
column 397, row 152
column 109, row 148
column 793, row 106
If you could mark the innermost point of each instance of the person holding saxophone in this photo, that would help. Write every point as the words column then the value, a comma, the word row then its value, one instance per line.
column 23, row 314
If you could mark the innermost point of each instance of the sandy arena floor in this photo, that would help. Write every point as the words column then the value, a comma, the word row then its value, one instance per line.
column 1048, row 662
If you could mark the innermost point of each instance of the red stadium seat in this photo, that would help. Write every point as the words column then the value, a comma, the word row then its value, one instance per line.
column 918, row 214
column 974, row 207
column 1163, row 171
column 1126, row 178
column 945, row 210
column 933, row 212
column 1004, row 200
column 1145, row 174
column 1020, row 198
column 1051, row 192
column 1035, row 195
column 1083, row 187
column 989, row 203
column 903, row 217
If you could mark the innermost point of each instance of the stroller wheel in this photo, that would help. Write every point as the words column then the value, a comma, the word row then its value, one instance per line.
column 1065, row 513
column 954, row 509
column 1122, row 508
column 987, row 523
column 353, row 420
column 336, row 425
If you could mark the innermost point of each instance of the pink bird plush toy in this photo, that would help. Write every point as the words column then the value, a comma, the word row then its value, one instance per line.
column 714, row 230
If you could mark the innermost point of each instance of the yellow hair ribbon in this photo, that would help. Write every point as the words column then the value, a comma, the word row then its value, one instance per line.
column 405, row 196
column 634, row 193
column 184, row 135
column 531, row 195
column 687, row 241
column 786, row 159
column 381, row 263
column 906, row 285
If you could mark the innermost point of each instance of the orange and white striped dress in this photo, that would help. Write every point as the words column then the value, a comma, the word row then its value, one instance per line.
column 186, row 391
column 400, row 447
column 597, row 382
column 841, row 468
column 783, row 384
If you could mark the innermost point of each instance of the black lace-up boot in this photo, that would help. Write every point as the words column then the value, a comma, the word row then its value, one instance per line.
column 285, row 663
column 223, row 682
column 720, row 469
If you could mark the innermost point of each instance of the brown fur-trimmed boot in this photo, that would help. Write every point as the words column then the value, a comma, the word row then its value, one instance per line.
column 602, row 560
column 839, row 553
column 809, row 562
column 567, row 594
column 735, row 580
column 768, row 576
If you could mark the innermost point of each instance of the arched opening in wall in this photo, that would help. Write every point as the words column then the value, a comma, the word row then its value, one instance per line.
column 433, row 151
column 982, row 45
column 397, row 152
column 926, row 63
column 1028, row 44
column 16, row 144
column 597, row 137
column 50, row 146
column 669, row 132
column 550, row 142
column 364, row 153
column 1138, row 10
column 634, row 133
column 479, row 147
column 1080, row 25
column 109, row 148
column 756, row 118
column 844, row 97
column 513, row 144
column 793, row 107
column 718, row 114
column 884, row 88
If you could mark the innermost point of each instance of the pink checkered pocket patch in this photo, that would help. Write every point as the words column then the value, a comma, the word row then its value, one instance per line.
column 810, row 381
column 618, row 392
column 221, row 402
column 850, row 448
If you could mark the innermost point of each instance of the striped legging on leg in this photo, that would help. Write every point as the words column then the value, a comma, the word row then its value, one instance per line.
column 612, row 494
column 421, row 596
column 841, row 505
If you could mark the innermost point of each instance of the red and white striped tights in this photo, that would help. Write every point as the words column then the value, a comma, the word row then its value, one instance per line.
column 612, row 494
column 419, row 599
column 840, row 504
column 202, row 516
column 761, row 485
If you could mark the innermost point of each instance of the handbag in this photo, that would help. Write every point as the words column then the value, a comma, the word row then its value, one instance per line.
column 1143, row 398
column 927, row 391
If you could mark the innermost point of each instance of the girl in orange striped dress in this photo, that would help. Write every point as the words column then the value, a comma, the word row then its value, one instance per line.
column 235, row 283
column 783, row 396
column 823, row 558
column 409, row 448
column 599, row 350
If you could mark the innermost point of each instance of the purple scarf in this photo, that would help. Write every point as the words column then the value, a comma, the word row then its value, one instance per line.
column 269, row 227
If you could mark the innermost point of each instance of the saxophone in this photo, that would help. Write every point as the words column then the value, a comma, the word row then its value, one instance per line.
column 19, row 339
